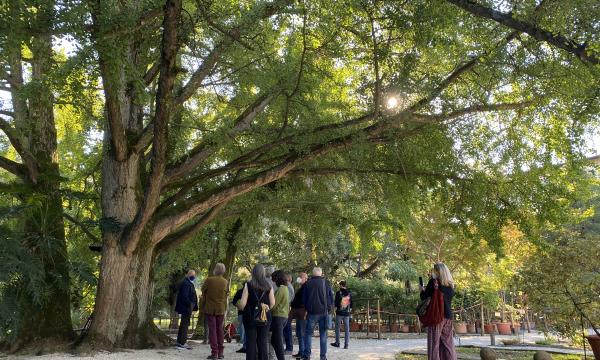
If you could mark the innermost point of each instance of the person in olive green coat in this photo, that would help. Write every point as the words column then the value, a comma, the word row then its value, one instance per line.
column 214, row 305
column 280, row 313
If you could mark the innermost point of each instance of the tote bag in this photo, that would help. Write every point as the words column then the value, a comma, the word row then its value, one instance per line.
column 434, row 313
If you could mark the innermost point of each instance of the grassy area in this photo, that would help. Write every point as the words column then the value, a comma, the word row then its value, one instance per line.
column 501, row 354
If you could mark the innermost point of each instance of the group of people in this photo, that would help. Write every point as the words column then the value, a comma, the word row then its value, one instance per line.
column 309, row 305
column 268, row 303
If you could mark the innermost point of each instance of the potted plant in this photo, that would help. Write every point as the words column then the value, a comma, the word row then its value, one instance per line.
column 354, row 326
column 471, row 328
column 504, row 328
column 460, row 327
column 489, row 328
column 394, row 327
column 405, row 328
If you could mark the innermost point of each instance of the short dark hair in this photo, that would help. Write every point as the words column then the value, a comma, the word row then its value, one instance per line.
column 279, row 278
column 343, row 283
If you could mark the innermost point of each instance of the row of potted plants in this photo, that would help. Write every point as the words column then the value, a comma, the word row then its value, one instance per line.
column 394, row 328
column 461, row 327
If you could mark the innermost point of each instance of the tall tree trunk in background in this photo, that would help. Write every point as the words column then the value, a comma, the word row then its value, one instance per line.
column 231, row 250
column 34, row 138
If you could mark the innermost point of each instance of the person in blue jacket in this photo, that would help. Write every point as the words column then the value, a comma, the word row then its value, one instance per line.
column 318, row 301
column 187, row 303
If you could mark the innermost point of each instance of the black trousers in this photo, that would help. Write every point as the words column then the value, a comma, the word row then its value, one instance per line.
column 184, row 324
column 277, row 325
column 257, row 338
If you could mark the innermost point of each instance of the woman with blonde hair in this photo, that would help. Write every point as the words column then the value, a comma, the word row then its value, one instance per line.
column 440, row 342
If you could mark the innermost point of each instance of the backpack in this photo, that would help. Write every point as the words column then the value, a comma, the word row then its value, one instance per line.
column 431, row 310
column 260, row 312
column 345, row 303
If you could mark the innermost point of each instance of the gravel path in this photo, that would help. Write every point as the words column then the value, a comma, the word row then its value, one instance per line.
column 360, row 349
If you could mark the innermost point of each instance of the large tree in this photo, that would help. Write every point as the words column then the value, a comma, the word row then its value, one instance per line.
column 36, row 281
column 207, row 101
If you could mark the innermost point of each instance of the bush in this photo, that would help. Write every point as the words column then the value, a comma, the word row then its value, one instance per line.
column 392, row 295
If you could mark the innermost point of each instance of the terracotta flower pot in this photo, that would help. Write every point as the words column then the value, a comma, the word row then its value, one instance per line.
column 394, row 328
column 405, row 328
column 471, row 328
column 373, row 327
column 354, row 327
column 594, row 341
column 489, row 328
column 460, row 327
column 504, row 328
column 516, row 328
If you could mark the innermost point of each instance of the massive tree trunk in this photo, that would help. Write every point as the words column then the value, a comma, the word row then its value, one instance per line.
column 33, row 135
column 123, row 308
column 123, row 311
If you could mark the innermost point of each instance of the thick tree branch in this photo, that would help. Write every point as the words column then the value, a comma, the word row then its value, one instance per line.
column 186, row 233
column 205, row 149
column 560, row 41
column 164, row 94
column 14, row 168
column 30, row 164
column 114, row 84
column 151, row 74
column 82, row 227
column 450, row 79
column 171, row 223
column 202, row 72
column 9, row 78
column 370, row 269
column 144, row 139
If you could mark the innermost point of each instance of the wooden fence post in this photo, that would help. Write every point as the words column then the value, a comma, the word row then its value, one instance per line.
column 481, row 330
column 368, row 316
column 378, row 321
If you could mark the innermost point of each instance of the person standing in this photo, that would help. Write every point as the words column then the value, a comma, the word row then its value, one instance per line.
column 318, row 299
column 214, row 295
column 269, row 270
column 257, row 295
column 280, row 313
column 440, row 343
column 298, row 313
column 186, row 304
column 240, row 327
column 343, row 309
column 287, row 330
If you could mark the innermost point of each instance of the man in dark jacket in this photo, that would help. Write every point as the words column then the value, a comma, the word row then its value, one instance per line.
column 298, row 313
column 343, row 308
column 187, row 303
column 318, row 299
